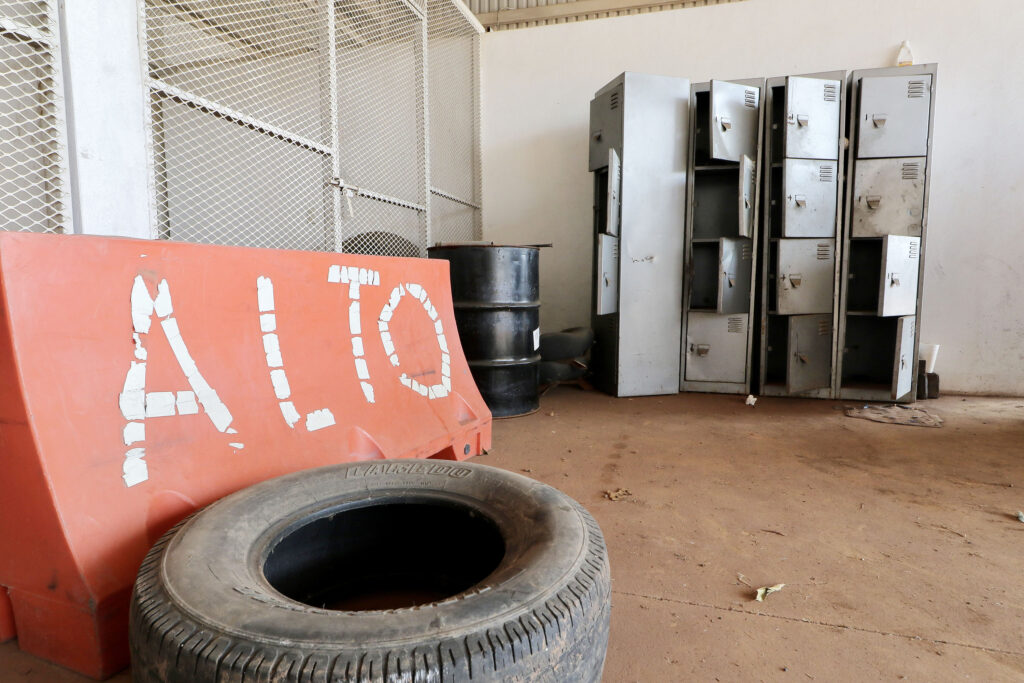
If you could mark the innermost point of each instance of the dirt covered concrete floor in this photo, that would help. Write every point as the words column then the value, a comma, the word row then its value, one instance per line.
column 899, row 546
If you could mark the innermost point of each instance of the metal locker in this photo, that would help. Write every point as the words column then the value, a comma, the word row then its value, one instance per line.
column 903, row 365
column 735, row 115
column 735, row 264
column 810, row 353
column 614, row 187
column 901, row 258
column 608, row 277
column 748, row 179
column 894, row 116
column 806, row 272
column 809, row 191
column 605, row 126
column 716, row 347
column 889, row 197
column 812, row 118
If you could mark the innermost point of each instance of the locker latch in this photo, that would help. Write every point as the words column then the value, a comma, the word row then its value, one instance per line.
column 795, row 279
column 726, row 122
column 800, row 199
column 802, row 119
column 873, row 200
column 879, row 119
column 802, row 357
column 703, row 349
column 894, row 279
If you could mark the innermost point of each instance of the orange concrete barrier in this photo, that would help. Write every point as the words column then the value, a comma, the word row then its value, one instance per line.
column 145, row 379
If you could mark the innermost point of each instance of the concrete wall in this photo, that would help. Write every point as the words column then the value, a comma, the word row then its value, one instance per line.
column 538, row 83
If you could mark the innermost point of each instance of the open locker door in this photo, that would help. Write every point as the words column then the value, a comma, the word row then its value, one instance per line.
column 810, row 353
column 734, row 271
column 903, row 366
column 735, row 114
column 748, row 180
column 812, row 118
column 608, row 276
column 614, row 187
column 901, row 260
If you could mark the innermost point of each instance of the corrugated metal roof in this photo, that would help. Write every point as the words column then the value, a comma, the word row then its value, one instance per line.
column 508, row 14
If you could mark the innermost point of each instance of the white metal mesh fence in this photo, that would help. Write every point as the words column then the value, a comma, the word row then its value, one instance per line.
column 33, row 156
column 289, row 123
column 454, row 87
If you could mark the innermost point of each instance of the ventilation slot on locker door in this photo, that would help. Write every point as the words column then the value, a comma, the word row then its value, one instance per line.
column 745, row 252
column 824, row 327
column 914, row 247
column 824, row 251
column 912, row 170
column 826, row 172
column 750, row 99
column 736, row 324
column 613, row 101
column 831, row 92
column 916, row 89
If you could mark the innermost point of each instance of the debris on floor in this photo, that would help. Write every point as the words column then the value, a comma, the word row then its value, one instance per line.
column 1020, row 515
column 751, row 400
column 765, row 591
column 618, row 494
column 895, row 414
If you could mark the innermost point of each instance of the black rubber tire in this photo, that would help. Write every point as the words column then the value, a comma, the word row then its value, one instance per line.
column 567, row 344
column 553, row 371
column 203, row 607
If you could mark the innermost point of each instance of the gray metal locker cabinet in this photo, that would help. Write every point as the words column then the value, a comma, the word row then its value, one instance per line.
column 884, row 233
column 804, row 137
column 638, row 125
column 722, row 202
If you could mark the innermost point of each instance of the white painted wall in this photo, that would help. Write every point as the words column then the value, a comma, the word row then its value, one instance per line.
column 538, row 82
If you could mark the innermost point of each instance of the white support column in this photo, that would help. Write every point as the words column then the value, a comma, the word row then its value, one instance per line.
column 107, row 100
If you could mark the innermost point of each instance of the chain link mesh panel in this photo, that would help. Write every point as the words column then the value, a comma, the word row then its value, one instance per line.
column 382, row 133
column 33, row 158
column 289, row 123
column 454, row 86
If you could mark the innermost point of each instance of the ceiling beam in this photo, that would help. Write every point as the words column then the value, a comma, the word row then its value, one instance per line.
column 581, row 10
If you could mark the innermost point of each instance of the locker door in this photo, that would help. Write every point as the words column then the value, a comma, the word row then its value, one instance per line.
column 812, row 118
column 894, row 116
column 734, row 274
column 806, row 276
column 614, row 187
column 898, row 289
column 735, row 114
column 809, row 188
column 903, row 367
column 888, row 197
column 748, row 179
column 810, row 353
column 716, row 347
column 608, row 275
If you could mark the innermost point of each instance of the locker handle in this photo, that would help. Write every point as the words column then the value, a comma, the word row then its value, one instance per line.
column 795, row 279
column 703, row 349
column 894, row 279
column 726, row 122
column 802, row 357
column 800, row 199
column 879, row 119
column 873, row 200
column 802, row 119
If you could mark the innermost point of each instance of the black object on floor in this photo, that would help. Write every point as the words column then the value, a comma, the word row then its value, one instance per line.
column 496, row 293
column 566, row 345
column 553, row 371
column 385, row 570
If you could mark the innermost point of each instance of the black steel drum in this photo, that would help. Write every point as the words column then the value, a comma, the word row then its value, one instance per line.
column 496, row 292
